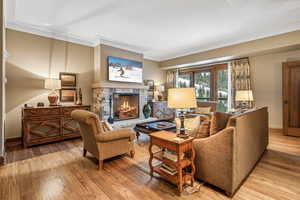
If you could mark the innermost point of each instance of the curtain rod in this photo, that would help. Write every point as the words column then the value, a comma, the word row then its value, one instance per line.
column 207, row 64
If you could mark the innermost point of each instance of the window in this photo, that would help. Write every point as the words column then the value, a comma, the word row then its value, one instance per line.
column 203, row 85
column 222, row 90
column 184, row 80
column 211, row 84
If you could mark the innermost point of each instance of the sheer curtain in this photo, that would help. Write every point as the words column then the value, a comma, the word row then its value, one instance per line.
column 240, row 79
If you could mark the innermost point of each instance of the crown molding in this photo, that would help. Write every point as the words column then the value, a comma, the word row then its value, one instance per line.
column 37, row 30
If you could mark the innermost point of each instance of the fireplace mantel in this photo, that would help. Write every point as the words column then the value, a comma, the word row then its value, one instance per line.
column 119, row 85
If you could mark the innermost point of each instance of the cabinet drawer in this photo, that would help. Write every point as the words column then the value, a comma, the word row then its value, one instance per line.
column 39, row 112
column 66, row 111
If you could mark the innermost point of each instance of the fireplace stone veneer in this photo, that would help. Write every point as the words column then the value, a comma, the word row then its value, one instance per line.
column 101, row 97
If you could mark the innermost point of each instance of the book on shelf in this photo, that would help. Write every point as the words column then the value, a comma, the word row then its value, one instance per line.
column 171, row 156
column 169, row 170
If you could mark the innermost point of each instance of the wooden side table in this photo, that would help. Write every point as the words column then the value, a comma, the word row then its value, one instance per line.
column 185, row 157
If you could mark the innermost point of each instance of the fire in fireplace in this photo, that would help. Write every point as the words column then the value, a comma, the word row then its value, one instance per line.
column 125, row 106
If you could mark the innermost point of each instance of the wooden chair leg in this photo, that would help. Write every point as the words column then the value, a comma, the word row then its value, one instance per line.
column 100, row 165
column 132, row 154
column 84, row 152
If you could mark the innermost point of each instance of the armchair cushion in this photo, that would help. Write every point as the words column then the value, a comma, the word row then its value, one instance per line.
column 116, row 135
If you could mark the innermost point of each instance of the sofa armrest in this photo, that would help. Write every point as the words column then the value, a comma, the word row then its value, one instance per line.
column 118, row 134
column 214, row 158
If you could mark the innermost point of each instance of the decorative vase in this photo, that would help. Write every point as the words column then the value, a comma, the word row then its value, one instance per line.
column 147, row 110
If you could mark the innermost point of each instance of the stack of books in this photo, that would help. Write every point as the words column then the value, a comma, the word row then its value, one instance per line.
column 169, row 170
column 171, row 155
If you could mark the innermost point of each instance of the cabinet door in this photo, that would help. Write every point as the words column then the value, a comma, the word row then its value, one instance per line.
column 70, row 127
column 291, row 98
column 39, row 130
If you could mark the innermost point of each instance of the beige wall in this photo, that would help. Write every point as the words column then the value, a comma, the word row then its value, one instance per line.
column 28, row 65
column 267, row 82
column 151, row 69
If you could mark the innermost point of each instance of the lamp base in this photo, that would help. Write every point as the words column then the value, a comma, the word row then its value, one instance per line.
column 182, row 135
column 52, row 100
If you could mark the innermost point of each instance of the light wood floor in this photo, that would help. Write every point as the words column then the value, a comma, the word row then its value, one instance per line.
column 58, row 171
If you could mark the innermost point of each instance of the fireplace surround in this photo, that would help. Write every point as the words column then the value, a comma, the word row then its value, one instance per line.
column 125, row 106
column 103, row 91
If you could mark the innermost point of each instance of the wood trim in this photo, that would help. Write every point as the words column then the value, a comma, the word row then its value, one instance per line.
column 276, row 130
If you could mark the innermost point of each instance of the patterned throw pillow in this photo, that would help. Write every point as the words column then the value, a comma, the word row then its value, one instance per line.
column 203, row 130
column 213, row 125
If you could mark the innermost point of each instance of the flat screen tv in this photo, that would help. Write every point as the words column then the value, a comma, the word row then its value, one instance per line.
column 123, row 70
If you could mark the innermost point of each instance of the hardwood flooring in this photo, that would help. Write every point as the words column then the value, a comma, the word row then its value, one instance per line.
column 59, row 171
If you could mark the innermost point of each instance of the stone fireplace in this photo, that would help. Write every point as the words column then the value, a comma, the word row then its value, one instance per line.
column 130, row 95
column 125, row 106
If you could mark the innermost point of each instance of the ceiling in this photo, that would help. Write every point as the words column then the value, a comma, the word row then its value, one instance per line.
column 160, row 29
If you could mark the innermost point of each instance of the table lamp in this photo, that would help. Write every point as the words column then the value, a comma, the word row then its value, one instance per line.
column 182, row 98
column 243, row 96
column 52, row 84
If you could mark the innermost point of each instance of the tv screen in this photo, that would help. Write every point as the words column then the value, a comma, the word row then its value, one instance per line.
column 123, row 70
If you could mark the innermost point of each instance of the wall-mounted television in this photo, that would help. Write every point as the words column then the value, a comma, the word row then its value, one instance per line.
column 124, row 70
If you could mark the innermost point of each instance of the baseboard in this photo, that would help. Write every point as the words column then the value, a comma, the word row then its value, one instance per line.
column 276, row 130
column 13, row 142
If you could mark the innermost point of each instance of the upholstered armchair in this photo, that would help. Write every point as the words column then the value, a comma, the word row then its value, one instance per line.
column 100, row 140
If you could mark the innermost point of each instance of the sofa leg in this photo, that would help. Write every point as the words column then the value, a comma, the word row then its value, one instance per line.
column 132, row 154
column 100, row 165
column 84, row 152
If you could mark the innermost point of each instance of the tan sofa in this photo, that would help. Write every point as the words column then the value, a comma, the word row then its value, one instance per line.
column 100, row 140
column 226, row 158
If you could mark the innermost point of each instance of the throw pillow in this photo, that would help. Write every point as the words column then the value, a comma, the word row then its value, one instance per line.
column 203, row 129
column 203, row 110
column 213, row 125
column 191, row 124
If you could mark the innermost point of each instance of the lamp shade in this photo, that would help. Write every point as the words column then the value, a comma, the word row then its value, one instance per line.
column 52, row 84
column 244, row 95
column 182, row 98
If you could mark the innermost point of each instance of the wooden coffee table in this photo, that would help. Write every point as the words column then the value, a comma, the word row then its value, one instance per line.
column 157, row 125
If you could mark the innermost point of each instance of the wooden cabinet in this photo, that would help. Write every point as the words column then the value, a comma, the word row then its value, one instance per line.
column 48, row 124
column 160, row 110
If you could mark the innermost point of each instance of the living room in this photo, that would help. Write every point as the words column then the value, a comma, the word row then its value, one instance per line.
column 150, row 100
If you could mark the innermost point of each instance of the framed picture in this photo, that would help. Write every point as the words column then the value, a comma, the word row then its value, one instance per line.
column 149, row 83
column 67, row 95
column 67, row 79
